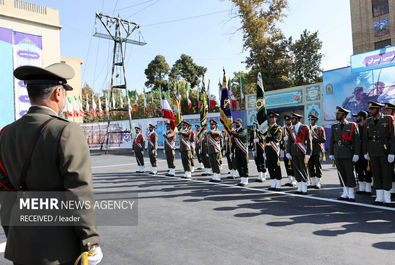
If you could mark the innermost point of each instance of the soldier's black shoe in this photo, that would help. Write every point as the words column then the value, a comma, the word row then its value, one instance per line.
column 242, row 185
column 230, row 177
column 139, row 171
column 277, row 189
column 378, row 203
column 342, row 199
column 288, row 185
column 214, row 180
column 298, row 192
column 270, row 188
column 351, row 200
column 388, row 205
column 303, row 193
column 258, row 180
column 360, row 192
column 205, row 174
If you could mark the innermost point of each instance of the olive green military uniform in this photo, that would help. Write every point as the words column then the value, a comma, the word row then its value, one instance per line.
column 379, row 142
column 170, row 145
column 240, row 149
column 192, row 139
column 344, row 144
column 319, row 138
column 272, row 150
column 203, row 148
column 361, row 166
column 185, row 149
column 198, row 147
column 287, row 162
column 153, row 147
column 259, row 149
column 138, row 147
column 214, row 149
column 228, row 153
column 60, row 162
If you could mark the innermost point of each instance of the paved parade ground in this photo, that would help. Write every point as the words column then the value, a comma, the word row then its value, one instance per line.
column 197, row 222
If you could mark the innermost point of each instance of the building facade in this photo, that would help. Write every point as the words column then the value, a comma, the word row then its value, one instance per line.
column 373, row 24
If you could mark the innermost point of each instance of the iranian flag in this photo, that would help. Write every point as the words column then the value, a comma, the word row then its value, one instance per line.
column 121, row 101
column 241, row 89
column 167, row 113
column 136, row 100
column 69, row 107
column 212, row 102
column 198, row 96
column 106, row 102
column 87, row 104
column 100, row 109
column 152, row 102
column 81, row 108
column 145, row 103
column 114, row 106
column 94, row 106
column 187, row 90
column 232, row 96
column 76, row 108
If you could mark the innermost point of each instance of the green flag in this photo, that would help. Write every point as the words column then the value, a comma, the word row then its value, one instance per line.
column 261, row 105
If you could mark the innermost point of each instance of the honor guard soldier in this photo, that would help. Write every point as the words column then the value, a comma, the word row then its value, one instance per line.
column 170, row 146
column 44, row 152
column 272, row 151
column 153, row 148
column 185, row 149
column 227, row 150
column 214, row 137
column 361, row 166
column 287, row 163
column 379, row 148
column 318, row 138
column 259, row 154
column 205, row 158
column 198, row 147
column 344, row 149
column 390, row 110
column 299, row 151
column 138, row 147
column 192, row 140
column 240, row 149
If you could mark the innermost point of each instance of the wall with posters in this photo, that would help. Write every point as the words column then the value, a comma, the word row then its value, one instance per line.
column 6, row 83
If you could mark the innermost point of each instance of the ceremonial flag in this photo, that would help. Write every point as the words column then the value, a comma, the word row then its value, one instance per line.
column 145, row 103
column 167, row 113
column 211, row 99
column 76, row 108
column 136, row 100
column 121, row 100
column 152, row 102
column 107, row 105
column 225, row 111
column 100, row 108
column 69, row 107
column 81, row 108
column 197, row 95
column 87, row 104
column 94, row 106
column 177, row 105
column 261, row 105
column 232, row 96
column 130, row 101
column 187, row 90
column 203, row 108
column 114, row 106
column 241, row 89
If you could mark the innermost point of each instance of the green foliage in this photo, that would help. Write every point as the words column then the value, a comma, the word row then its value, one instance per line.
column 157, row 72
column 185, row 68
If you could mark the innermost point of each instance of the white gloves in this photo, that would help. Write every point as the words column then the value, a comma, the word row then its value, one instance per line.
column 355, row 158
column 231, row 155
column 256, row 140
column 264, row 155
column 254, row 153
column 286, row 138
column 332, row 157
column 367, row 157
column 281, row 153
column 93, row 260
column 153, row 151
column 391, row 158
column 288, row 155
column 164, row 151
column 308, row 157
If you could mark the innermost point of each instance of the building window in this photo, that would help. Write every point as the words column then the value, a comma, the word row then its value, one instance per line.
column 380, row 7
column 382, row 44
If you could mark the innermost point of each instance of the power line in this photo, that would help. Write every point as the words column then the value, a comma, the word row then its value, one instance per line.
column 144, row 8
column 134, row 5
column 186, row 18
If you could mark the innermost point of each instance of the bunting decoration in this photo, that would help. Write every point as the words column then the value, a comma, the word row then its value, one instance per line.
column 114, row 106
column 121, row 96
column 152, row 102
column 136, row 99
column 225, row 110
column 232, row 96
column 261, row 105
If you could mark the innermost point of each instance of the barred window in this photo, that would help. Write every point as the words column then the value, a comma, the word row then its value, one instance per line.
column 380, row 7
column 382, row 44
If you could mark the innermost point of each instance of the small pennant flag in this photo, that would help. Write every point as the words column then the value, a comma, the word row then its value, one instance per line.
column 145, row 103
column 69, row 107
column 136, row 99
column 100, row 108
column 187, row 90
column 94, row 106
column 121, row 101
column 152, row 102
column 76, row 107
column 81, row 108
column 241, row 89
column 87, row 104
column 107, row 105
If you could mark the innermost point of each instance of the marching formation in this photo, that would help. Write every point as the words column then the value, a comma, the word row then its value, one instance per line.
column 363, row 152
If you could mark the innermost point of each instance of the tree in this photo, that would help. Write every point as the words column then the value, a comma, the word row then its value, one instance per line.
column 185, row 68
column 157, row 72
column 306, row 59
column 267, row 46
column 248, row 88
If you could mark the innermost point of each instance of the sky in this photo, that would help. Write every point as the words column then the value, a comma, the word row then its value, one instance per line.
column 207, row 30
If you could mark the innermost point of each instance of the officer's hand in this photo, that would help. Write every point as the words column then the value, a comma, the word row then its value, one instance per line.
column 264, row 155
column 282, row 153
column 231, row 156
column 286, row 138
column 256, row 140
column 93, row 260
column 355, row 158
column 164, row 151
column 153, row 152
column 332, row 157
column 288, row 155
column 391, row 158
column 307, row 157
column 254, row 153
column 366, row 156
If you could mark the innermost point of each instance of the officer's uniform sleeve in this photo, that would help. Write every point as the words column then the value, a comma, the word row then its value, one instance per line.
column 156, row 141
column 356, row 140
column 309, row 142
column 392, row 136
column 332, row 140
column 278, row 135
column 288, row 143
column 323, row 135
column 75, row 169
column 365, row 139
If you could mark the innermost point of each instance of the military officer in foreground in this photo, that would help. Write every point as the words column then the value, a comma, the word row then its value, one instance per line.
column 214, row 137
column 170, row 146
column 192, row 140
column 204, row 153
column 379, row 148
column 259, row 154
column 240, row 149
column 227, row 151
column 361, row 166
column 43, row 152
column 390, row 110
column 272, row 151
column 299, row 151
column 318, row 138
column 153, row 148
column 344, row 149
column 287, row 163
column 198, row 148
column 185, row 149
column 138, row 147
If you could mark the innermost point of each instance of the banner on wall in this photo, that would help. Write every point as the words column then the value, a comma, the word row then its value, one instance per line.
column 314, row 109
column 6, row 82
column 373, row 60
column 27, row 51
column 353, row 91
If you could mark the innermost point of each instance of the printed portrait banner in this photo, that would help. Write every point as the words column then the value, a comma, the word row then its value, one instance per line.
column 381, row 27
column 6, row 80
column 284, row 99
column 314, row 109
column 27, row 51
